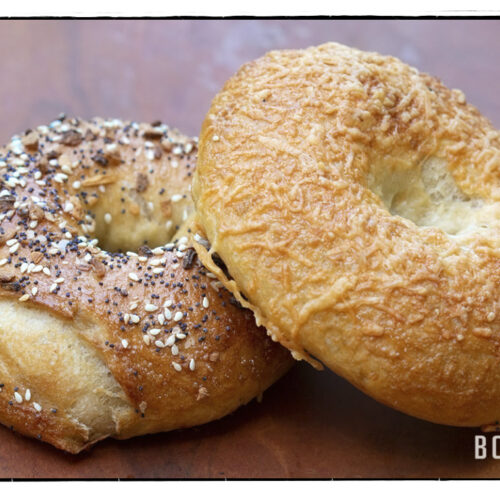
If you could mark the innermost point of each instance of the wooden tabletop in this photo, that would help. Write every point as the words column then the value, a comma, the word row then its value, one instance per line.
column 309, row 424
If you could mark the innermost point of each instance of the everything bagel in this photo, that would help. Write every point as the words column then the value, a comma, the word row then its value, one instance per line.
column 356, row 205
column 128, row 336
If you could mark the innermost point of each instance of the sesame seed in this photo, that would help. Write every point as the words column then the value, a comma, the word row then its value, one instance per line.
column 11, row 242
column 27, row 395
column 60, row 177
column 14, row 248
column 176, row 198
column 146, row 339
column 37, row 406
column 192, row 365
column 168, row 303
column 34, row 291
column 133, row 277
column 161, row 319
column 125, row 343
column 491, row 316
column 46, row 271
column 134, row 318
column 170, row 341
column 176, row 366
column 52, row 287
column 159, row 343
column 24, row 267
column 18, row 397
column 168, row 314
column 154, row 331
column 215, row 138
column 175, row 350
column 178, row 316
column 77, row 185
column 108, row 218
column 205, row 303
column 151, row 308
column 3, row 262
column 24, row 297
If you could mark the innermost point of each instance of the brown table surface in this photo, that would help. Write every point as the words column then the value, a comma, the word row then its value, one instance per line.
column 310, row 424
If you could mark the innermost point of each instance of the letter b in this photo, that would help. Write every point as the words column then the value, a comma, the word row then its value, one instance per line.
column 480, row 447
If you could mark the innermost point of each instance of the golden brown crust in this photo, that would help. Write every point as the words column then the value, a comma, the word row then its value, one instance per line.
column 355, row 202
column 96, row 342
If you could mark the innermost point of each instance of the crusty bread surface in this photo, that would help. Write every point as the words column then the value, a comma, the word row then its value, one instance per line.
column 356, row 205
column 106, row 328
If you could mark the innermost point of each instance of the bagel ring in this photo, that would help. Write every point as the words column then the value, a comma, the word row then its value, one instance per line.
column 95, row 342
column 356, row 205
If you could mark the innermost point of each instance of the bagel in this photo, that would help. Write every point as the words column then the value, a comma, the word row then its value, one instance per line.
column 355, row 204
column 130, row 337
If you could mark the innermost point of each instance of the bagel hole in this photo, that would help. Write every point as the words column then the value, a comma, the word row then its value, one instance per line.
column 125, row 231
column 428, row 196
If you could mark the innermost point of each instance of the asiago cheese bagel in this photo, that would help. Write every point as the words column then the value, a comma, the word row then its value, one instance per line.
column 109, row 324
column 356, row 205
